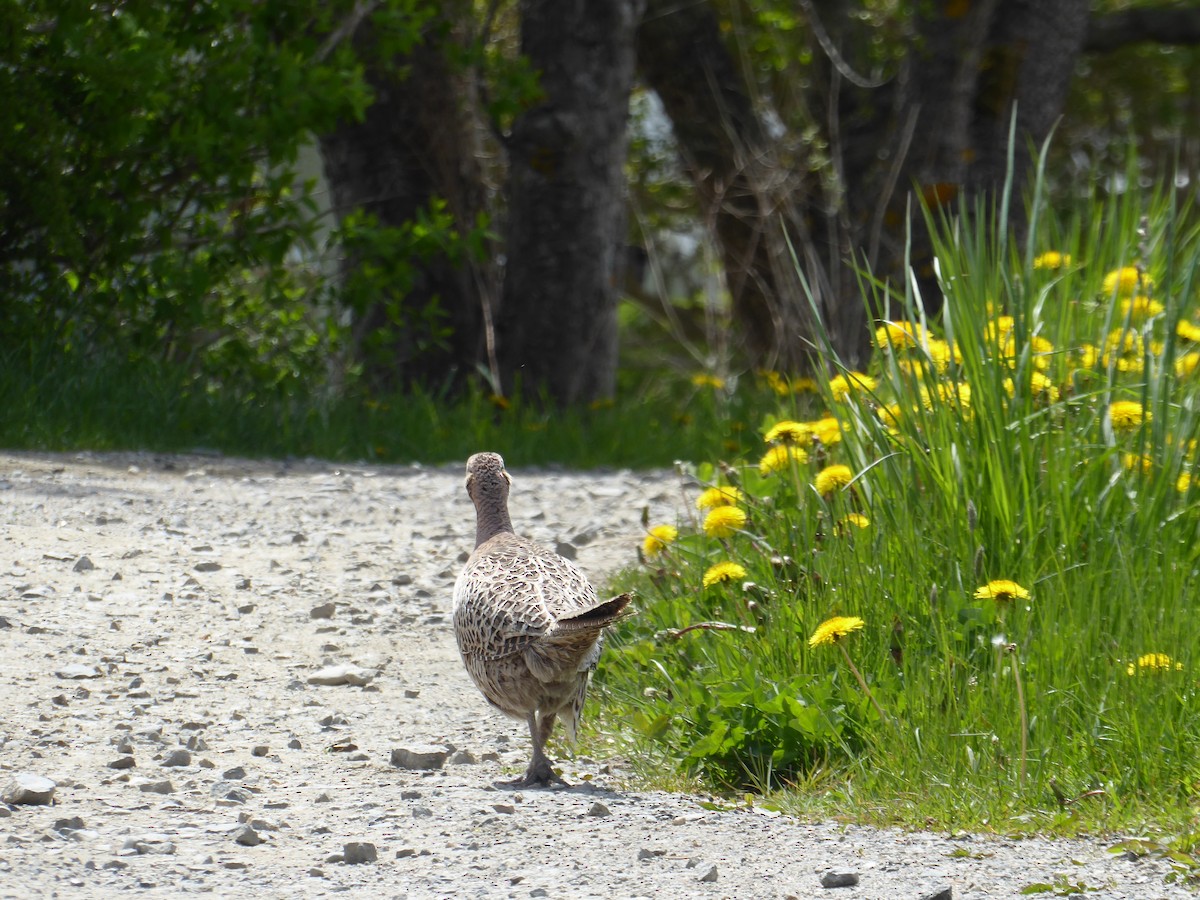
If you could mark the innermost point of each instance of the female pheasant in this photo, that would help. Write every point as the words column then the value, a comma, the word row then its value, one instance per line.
column 528, row 624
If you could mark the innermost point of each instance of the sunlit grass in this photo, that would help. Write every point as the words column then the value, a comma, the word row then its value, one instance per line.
column 1041, row 433
column 63, row 402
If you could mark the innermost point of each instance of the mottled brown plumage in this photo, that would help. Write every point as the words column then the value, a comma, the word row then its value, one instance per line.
column 528, row 624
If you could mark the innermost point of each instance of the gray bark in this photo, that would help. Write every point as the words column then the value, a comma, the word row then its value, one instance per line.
column 416, row 142
column 1177, row 25
column 745, row 196
column 556, row 331
column 941, row 126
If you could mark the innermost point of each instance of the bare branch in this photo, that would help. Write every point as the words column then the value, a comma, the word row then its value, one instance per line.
column 1179, row 25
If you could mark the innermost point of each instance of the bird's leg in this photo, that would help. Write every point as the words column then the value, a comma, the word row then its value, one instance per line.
column 540, row 772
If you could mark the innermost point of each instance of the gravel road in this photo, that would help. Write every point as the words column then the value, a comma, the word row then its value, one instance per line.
column 232, row 673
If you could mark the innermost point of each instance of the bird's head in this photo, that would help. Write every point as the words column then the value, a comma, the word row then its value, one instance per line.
column 487, row 478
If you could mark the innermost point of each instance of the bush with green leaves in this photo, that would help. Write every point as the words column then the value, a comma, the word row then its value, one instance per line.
column 150, row 201
column 970, row 572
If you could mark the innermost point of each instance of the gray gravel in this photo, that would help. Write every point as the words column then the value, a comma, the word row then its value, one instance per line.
column 241, row 679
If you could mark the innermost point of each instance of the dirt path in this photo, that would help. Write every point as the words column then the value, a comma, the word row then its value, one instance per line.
column 162, row 622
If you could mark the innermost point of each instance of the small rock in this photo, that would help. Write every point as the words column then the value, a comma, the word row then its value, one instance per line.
column 565, row 550
column 412, row 693
column 237, row 773
column 539, row 892
column 710, row 875
column 260, row 750
column 421, row 757
column 943, row 894
column 148, row 843
column 157, row 787
column 464, row 758
column 344, row 674
column 647, row 853
column 359, row 852
column 324, row 611
column 406, row 852
column 505, row 809
column 599, row 809
column 838, row 879
column 294, row 744
column 247, row 836
column 180, row 757
column 77, row 671
column 75, row 823
column 122, row 762
column 208, row 566
column 30, row 790
column 83, row 564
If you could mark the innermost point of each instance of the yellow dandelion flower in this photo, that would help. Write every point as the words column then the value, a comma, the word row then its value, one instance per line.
column 998, row 330
column 1052, row 259
column 722, row 495
column 858, row 520
column 1039, row 346
column 776, row 382
column 1002, row 591
column 1040, row 387
column 832, row 478
column 947, row 394
column 833, row 630
column 841, row 386
column 1127, row 415
column 1123, row 343
column 899, row 334
column 723, row 521
column 1186, row 365
column 1188, row 331
column 1133, row 462
column 1153, row 663
column 657, row 539
column 805, row 386
column 781, row 456
column 787, row 432
column 1184, row 483
column 942, row 354
column 827, row 431
column 1126, row 282
column 722, row 572
column 704, row 379
column 1140, row 307
column 1086, row 356
column 889, row 415
column 915, row 369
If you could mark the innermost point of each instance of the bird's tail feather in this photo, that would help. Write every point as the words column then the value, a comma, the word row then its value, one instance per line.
column 599, row 616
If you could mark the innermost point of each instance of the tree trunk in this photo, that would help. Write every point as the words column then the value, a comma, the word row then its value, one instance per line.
column 941, row 125
column 416, row 143
column 745, row 195
column 557, row 326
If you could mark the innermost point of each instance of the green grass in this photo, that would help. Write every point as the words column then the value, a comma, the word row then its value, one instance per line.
column 62, row 402
column 999, row 460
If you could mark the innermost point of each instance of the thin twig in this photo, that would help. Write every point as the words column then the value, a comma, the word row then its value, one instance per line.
column 676, row 633
column 1012, row 648
column 863, row 684
column 348, row 26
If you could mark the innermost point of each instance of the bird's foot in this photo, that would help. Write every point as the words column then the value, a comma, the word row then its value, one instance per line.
column 539, row 774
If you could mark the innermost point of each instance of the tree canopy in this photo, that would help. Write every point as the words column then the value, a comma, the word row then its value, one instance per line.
column 473, row 223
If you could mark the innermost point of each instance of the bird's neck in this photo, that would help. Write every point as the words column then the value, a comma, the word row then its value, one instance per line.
column 491, row 519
